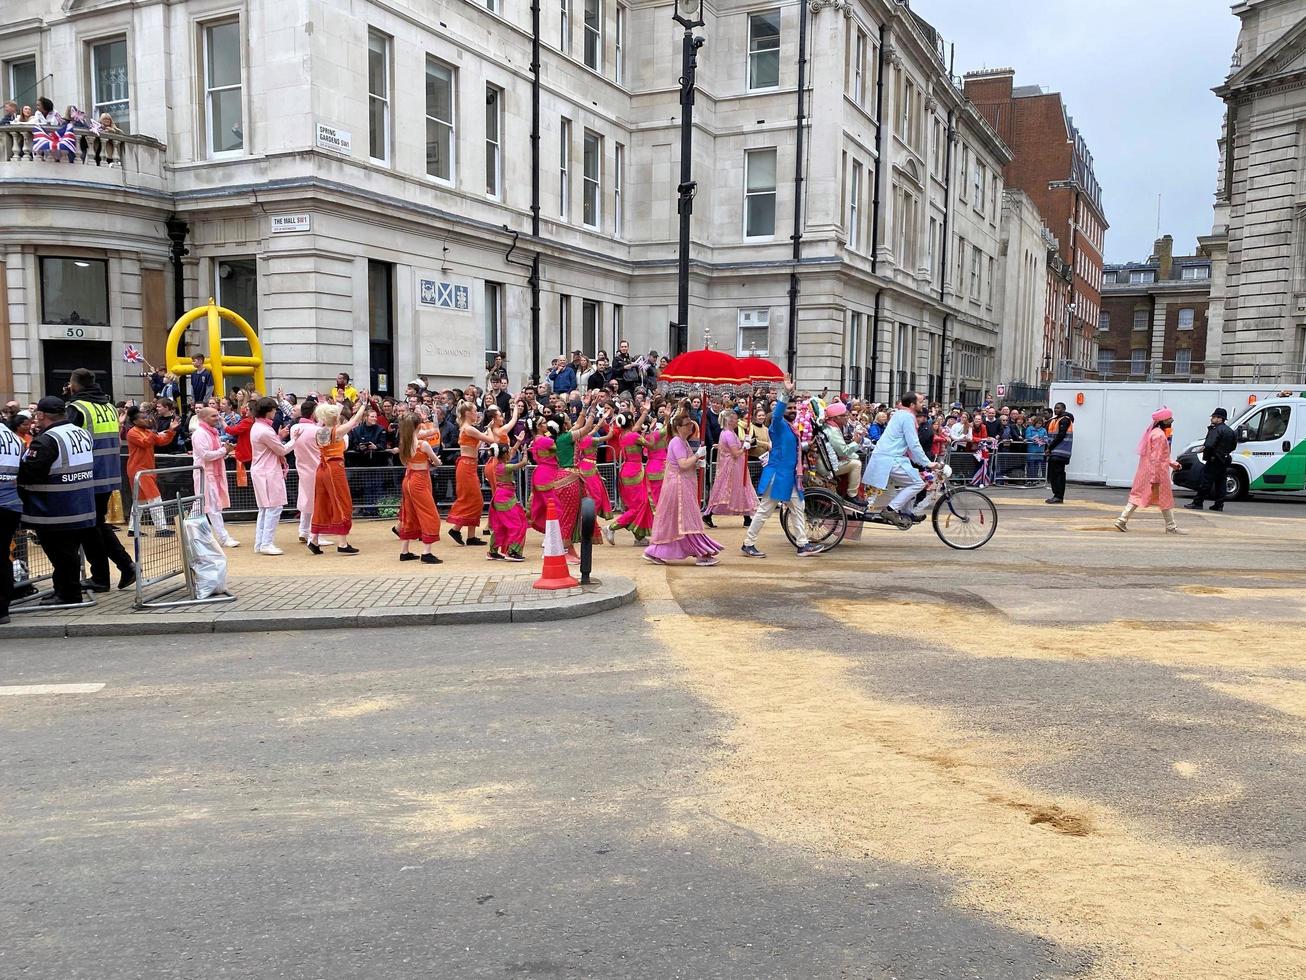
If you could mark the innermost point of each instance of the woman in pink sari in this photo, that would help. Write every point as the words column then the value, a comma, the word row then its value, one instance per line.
column 545, row 472
column 507, row 518
column 267, row 472
column 1152, row 479
column 678, row 530
column 637, row 514
column 732, row 490
column 656, row 441
column 303, row 442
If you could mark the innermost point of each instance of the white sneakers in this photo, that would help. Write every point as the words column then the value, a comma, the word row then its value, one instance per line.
column 269, row 549
column 231, row 543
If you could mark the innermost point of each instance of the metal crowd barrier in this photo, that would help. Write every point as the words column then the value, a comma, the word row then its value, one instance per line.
column 34, row 576
column 162, row 550
column 1008, row 465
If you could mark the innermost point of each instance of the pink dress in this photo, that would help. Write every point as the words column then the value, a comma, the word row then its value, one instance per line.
column 507, row 518
column 587, row 463
column 732, row 490
column 268, row 470
column 656, row 441
column 1152, row 478
column 678, row 530
column 637, row 513
column 303, row 441
column 545, row 472
column 209, row 452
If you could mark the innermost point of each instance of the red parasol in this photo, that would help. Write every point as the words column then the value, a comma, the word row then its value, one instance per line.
column 711, row 371
column 761, row 372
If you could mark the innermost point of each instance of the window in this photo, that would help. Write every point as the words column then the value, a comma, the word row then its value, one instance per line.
column 974, row 273
column 993, row 199
column 965, row 169
column 223, row 113
column 931, row 254
column 564, row 167
column 979, row 176
column 854, row 205
column 764, row 50
column 564, row 38
column 908, row 216
column 594, row 34
column 618, row 179
column 1108, row 278
column 992, row 275
column 961, row 266
column 1104, row 360
column 855, row 69
column 591, row 326
column 592, row 173
column 109, row 90
column 1140, row 277
column 1196, row 272
column 902, row 359
column 759, row 193
column 1186, row 319
column 493, row 127
column 1183, row 361
column 564, row 323
column 619, row 53
column 493, row 321
column 380, row 326
column 378, row 96
column 1104, row 320
column 1142, row 319
column 940, row 147
column 854, row 351
column 1270, row 423
column 439, row 120
column 235, row 286
column 907, row 111
column 1138, row 361
column 754, row 332
column 20, row 77
column 75, row 291
column 492, row 6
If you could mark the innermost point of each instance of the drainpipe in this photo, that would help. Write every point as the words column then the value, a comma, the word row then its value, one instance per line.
column 534, row 279
column 797, row 236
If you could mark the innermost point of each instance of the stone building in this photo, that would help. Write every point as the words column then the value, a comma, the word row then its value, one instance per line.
column 357, row 179
column 1258, row 240
column 1027, row 246
column 1052, row 164
column 1154, row 320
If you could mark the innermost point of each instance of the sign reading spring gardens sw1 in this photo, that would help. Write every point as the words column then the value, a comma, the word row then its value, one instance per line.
column 449, row 339
column 330, row 138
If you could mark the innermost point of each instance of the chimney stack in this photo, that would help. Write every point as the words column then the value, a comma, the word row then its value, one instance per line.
column 1163, row 255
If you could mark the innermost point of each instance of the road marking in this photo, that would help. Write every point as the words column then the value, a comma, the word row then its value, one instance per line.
column 51, row 689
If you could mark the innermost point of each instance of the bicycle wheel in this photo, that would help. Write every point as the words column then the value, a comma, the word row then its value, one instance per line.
column 965, row 519
column 827, row 521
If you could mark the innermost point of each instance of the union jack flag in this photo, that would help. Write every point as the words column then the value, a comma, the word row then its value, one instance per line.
column 54, row 142
column 132, row 356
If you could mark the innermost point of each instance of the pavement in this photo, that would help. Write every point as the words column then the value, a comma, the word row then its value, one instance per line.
column 1072, row 755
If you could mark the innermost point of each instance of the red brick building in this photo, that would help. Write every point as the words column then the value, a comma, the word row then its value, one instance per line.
column 1053, row 166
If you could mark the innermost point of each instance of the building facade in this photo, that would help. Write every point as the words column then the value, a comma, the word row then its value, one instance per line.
column 1023, row 296
column 373, row 185
column 1258, row 240
column 1154, row 323
column 1053, row 166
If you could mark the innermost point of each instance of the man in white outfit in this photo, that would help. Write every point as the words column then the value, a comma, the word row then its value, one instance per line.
column 891, row 463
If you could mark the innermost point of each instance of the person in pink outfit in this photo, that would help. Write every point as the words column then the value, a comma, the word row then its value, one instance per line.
column 1151, row 485
column 732, row 489
column 267, row 472
column 303, row 442
column 211, row 454
column 678, row 530
column 656, row 440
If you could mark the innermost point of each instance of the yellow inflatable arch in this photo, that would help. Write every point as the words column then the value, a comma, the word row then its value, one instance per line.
column 220, row 365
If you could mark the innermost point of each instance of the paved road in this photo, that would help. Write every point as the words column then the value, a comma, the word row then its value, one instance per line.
column 1072, row 754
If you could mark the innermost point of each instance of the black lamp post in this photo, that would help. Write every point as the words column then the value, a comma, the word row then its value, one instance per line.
column 689, row 15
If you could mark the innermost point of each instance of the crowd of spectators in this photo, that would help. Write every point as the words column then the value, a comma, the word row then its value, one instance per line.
column 45, row 115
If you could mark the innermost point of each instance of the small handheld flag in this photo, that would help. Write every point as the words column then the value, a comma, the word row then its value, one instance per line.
column 132, row 356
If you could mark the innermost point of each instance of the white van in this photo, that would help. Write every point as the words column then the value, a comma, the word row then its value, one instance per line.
column 1270, row 457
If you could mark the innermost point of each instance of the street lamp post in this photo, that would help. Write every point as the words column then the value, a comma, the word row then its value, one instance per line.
column 689, row 15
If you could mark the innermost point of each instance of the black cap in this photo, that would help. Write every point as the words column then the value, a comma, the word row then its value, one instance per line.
column 51, row 405
column 1221, row 414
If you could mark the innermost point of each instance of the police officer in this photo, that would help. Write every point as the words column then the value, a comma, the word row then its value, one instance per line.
column 56, row 481
column 1217, row 451
column 94, row 412
column 11, row 511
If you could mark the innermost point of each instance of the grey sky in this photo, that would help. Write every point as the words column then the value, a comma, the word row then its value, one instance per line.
column 1136, row 76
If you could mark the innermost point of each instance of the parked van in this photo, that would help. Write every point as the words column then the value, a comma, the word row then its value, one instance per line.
column 1270, row 457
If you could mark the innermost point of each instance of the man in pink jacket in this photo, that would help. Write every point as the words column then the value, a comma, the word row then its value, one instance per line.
column 210, row 453
column 303, row 441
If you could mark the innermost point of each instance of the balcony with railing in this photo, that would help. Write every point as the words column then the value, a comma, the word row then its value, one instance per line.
column 111, row 159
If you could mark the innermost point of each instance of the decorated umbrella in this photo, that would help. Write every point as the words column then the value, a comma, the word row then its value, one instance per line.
column 708, row 371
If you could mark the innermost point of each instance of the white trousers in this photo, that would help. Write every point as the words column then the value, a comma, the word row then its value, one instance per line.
column 266, row 528
column 156, row 514
column 306, row 522
column 215, row 522
column 766, row 507
column 909, row 479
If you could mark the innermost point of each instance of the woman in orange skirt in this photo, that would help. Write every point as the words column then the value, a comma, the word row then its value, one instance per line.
column 418, row 518
column 333, row 504
column 468, row 502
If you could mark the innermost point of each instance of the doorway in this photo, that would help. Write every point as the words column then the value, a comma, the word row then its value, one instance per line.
column 62, row 357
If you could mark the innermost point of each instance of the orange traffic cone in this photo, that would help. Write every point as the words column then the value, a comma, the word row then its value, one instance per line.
column 554, row 574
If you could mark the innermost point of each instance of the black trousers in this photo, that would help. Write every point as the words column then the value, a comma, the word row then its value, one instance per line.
column 61, row 545
column 1057, row 476
column 101, row 544
column 8, row 527
column 1211, row 486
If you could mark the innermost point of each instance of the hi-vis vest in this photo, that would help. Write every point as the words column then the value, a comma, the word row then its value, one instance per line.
column 1063, row 449
column 11, row 454
column 67, row 497
column 102, row 423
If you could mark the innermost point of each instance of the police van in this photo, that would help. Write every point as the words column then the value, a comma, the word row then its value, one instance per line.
column 1270, row 457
